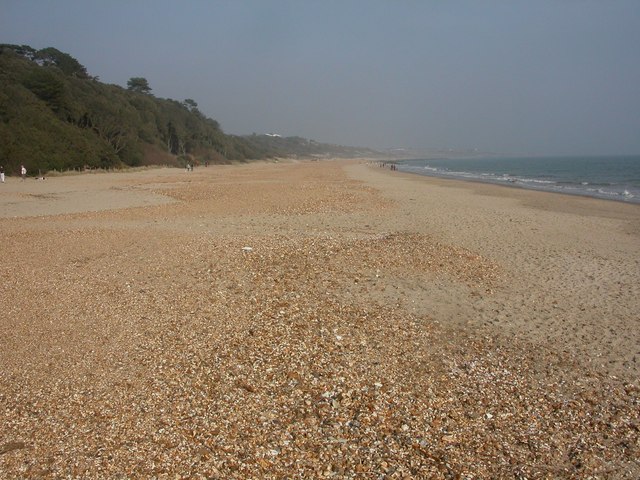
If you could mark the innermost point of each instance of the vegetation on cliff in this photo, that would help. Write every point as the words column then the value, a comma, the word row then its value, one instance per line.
column 55, row 116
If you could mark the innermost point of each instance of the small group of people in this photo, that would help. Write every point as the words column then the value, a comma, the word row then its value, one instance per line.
column 23, row 173
column 390, row 166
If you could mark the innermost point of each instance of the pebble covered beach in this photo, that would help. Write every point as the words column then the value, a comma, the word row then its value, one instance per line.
column 315, row 319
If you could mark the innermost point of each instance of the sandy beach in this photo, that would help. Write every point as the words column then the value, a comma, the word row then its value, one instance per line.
column 315, row 319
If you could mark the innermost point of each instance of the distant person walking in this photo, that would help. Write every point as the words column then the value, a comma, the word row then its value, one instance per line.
column 23, row 172
column 1, row 174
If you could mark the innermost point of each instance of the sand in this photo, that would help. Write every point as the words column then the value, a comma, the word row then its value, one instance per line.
column 311, row 319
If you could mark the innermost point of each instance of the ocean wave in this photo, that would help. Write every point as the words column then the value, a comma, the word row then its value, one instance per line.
column 606, row 188
column 536, row 180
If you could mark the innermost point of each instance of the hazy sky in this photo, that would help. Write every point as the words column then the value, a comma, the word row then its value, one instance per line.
column 531, row 77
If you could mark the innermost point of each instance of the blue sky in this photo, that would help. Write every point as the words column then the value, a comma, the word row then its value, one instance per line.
column 525, row 77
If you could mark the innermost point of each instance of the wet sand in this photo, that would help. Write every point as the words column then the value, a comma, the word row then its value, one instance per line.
column 309, row 319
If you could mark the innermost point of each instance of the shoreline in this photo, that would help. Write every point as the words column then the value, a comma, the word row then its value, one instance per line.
column 516, row 182
column 315, row 318
column 524, row 187
column 585, row 204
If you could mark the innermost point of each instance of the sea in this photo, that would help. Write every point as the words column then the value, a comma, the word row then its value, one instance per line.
column 608, row 177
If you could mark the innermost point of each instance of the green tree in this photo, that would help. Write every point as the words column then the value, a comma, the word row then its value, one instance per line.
column 65, row 62
column 173, row 140
column 138, row 84
column 190, row 104
column 46, row 86
column 23, row 50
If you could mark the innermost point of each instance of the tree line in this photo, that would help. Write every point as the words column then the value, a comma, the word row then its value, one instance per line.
column 54, row 115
